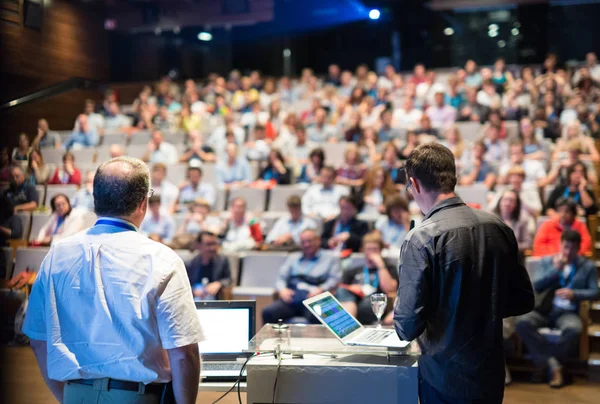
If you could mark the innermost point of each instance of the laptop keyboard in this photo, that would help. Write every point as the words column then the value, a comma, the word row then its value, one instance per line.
column 373, row 337
column 224, row 366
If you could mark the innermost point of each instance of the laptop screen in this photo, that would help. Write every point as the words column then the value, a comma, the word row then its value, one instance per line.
column 335, row 316
column 227, row 330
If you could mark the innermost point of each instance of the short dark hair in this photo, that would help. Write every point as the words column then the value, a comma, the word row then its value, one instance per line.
column 352, row 200
column 121, row 195
column 569, row 203
column 299, row 127
column 396, row 201
column 573, row 167
column 154, row 199
column 204, row 233
column 53, row 202
column 294, row 201
column 433, row 165
column 571, row 236
column 194, row 168
column 331, row 169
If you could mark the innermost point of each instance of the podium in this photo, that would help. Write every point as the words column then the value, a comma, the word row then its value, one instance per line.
column 307, row 364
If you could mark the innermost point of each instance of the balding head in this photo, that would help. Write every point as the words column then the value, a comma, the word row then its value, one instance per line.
column 121, row 187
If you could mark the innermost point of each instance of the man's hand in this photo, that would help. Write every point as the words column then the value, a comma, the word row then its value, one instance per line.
column 69, row 168
column 377, row 260
column 315, row 291
column 559, row 261
column 343, row 237
column 286, row 295
column 356, row 289
column 283, row 239
column 332, row 242
column 565, row 293
column 213, row 288
column 151, row 146
column 582, row 185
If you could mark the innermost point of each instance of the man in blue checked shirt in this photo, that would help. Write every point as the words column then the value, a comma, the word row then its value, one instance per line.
column 286, row 231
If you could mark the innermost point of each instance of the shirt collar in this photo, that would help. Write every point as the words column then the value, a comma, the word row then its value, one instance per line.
column 446, row 203
column 116, row 219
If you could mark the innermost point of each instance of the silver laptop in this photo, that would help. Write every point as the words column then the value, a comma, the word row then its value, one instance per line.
column 228, row 327
column 346, row 328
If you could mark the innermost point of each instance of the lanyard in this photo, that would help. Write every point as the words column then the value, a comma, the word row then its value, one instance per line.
column 59, row 222
column 566, row 283
column 310, row 267
column 576, row 198
column 115, row 223
column 339, row 228
column 367, row 278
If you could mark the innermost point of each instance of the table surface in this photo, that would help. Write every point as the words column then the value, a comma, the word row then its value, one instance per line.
column 221, row 386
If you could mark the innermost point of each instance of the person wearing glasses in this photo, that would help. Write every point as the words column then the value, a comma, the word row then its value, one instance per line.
column 459, row 276
column 111, row 315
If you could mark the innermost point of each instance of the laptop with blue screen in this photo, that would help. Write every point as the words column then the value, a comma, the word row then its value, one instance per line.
column 346, row 328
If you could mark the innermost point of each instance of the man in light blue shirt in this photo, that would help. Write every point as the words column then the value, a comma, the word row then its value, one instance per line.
column 84, row 136
column 84, row 198
column 322, row 200
column 286, row 231
column 115, row 120
column 194, row 189
column 320, row 131
column 234, row 171
column 160, row 151
column 157, row 225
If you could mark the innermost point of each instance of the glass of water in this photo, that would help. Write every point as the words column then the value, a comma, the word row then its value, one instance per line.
column 378, row 305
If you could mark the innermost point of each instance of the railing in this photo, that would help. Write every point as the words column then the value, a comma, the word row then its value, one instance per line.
column 76, row 83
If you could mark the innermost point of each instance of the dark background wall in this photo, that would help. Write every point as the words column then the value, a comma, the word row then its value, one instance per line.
column 71, row 42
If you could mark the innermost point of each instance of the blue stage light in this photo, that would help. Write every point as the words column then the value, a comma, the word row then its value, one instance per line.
column 374, row 14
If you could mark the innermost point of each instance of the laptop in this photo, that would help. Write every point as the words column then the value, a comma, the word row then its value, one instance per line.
column 346, row 328
column 228, row 327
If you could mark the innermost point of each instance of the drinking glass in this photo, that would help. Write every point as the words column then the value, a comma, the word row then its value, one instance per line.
column 378, row 305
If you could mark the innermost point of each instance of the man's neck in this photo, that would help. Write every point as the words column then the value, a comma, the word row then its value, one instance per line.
column 325, row 186
column 206, row 259
column 436, row 199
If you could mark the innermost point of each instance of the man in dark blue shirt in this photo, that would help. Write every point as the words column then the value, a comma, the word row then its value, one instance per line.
column 459, row 277
column 208, row 271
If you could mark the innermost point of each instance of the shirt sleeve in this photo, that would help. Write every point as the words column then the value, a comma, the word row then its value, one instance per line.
column 178, row 324
column 34, row 325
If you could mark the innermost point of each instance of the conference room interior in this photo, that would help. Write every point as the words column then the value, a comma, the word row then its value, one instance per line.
column 274, row 128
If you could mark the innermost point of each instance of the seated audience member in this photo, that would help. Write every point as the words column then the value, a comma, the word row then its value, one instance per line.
column 199, row 219
column 344, row 231
column 234, row 171
column 441, row 115
column 208, row 271
column 168, row 192
column 571, row 132
column 164, row 120
column 197, row 153
column 84, row 198
column 471, row 110
column 389, row 160
column 11, row 228
column 115, row 151
column 20, row 154
column 276, row 170
column 299, row 146
column 407, row 116
column 38, row 171
column 570, row 279
column 529, row 196
column 367, row 145
column 322, row 200
column 45, row 137
column 310, row 171
column 395, row 224
column 378, row 188
column 497, row 149
column 22, row 195
column 160, row 151
column 286, row 230
column 115, row 120
column 352, row 172
column 510, row 211
column 83, row 135
column 158, row 225
column 385, row 130
column 453, row 141
column 577, row 190
column 532, row 146
column 559, row 170
column 476, row 169
column 195, row 189
column 535, row 173
column 412, row 142
column 258, row 148
column 360, row 282
column 425, row 129
column 547, row 236
column 95, row 120
column 235, row 232
column 5, row 164
column 320, row 131
column 63, row 222
column 303, row 275
column 68, row 173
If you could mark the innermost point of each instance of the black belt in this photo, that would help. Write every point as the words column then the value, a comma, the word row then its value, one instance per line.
column 152, row 388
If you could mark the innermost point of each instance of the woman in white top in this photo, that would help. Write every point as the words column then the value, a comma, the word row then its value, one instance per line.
column 573, row 131
column 62, row 223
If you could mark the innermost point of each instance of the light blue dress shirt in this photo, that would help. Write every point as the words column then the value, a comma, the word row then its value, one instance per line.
column 392, row 233
column 85, row 139
column 205, row 191
column 285, row 225
column 163, row 227
column 227, row 174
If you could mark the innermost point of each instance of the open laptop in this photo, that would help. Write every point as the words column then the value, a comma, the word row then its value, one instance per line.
column 346, row 328
column 228, row 327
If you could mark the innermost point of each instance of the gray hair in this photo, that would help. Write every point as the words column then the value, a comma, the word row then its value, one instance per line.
column 120, row 195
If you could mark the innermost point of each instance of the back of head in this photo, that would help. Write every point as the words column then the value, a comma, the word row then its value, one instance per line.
column 571, row 236
column 433, row 166
column 120, row 186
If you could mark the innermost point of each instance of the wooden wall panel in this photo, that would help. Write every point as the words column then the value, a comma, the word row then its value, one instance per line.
column 71, row 43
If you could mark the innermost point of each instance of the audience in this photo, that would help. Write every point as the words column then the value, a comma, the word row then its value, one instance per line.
column 535, row 173
column 528, row 195
column 208, row 271
column 158, row 225
column 344, row 231
column 321, row 200
column 476, row 169
column 547, row 237
column 234, row 171
column 160, row 151
column 22, row 195
column 303, row 275
column 84, row 198
column 395, row 224
column 38, row 171
column 63, row 222
column 45, row 138
column 11, row 228
column 564, row 279
column 286, row 230
column 235, row 231
column 20, row 154
column 311, row 170
column 168, row 192
column 352, row 172
column 195, row 189
column 576, row 189
column 83, row 135
column 378, row 188
column 509, row 209
column 68, row 173
column 275, row 170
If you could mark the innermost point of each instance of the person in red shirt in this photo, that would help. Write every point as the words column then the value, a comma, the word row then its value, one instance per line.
column 68, row 173
column 547, row 239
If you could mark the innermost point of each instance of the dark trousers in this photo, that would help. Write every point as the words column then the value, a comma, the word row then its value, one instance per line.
column 429, row 395
column 285, row 311
column 538, row 346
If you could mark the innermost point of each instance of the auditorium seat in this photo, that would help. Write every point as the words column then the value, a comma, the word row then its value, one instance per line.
column 176, row 138
column 103, row 153
column 209, row 173
column 474, row 194
column 38, row 219
column 41, row 190
column 114, row 138
column 278, row 196
column 52, row 155
column 185, row 255
column 52, row 190
column 470, row 131
column 8, row 261
column 84, row 156
column 220, row 200
column 260, row 269
column 25, row 223
column 533, row 265
column 255, row 198
column 138, row 150
column 177, row 173
column 334, row 153
column 29, row 258
column 86, row 168
column 140, row 138
column 512, row 129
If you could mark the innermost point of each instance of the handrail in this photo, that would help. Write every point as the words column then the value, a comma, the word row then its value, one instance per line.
column 75, row 83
